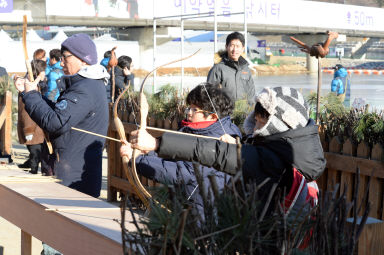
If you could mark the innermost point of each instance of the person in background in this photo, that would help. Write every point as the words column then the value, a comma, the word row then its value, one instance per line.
column 40, row 54
column 123, row 76
column 105, row 60
column 56, row 71
column 28, row 131
column 51, row 91
column 341, row 85
column 201, row 119
column 231, row 70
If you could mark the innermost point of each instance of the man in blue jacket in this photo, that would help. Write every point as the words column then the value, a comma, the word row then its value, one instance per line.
column 82, row 104
column 201, row 119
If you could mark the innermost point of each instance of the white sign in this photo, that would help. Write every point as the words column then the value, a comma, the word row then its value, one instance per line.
column 267, row 12
column 281, row 12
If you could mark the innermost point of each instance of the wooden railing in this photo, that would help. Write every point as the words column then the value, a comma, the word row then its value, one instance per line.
column 343, row 158
column 6, row 123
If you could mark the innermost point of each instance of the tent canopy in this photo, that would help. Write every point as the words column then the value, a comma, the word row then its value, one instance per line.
column 105, row 37
column 33, row 36
column 205, row 37
column 60, row 36
column 4, row 37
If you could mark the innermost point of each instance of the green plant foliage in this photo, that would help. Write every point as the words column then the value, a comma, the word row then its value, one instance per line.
column 6, row 84
column 167, row 103
column 360, row 125
column 370, row 128
column 232, row 222
column 242, row 109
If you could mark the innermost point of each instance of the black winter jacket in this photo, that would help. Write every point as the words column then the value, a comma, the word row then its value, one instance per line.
column 83, row 105
column 120, row 82
column 269, row 157
column 235, row 78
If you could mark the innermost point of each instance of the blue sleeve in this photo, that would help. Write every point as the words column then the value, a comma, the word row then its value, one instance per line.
column 52, row 91
column 337, row 86
column 47, row 71
column 71, row 108
column 160, row 170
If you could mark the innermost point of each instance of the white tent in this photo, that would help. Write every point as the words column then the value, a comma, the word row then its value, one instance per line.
column 4, row 37
column 32, row 36
column 105, row 37
column 60, row 36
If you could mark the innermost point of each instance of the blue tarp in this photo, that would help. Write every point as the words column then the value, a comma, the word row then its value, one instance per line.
column 206, row 37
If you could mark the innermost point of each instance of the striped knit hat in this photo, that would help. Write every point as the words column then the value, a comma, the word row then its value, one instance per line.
column 287, row 109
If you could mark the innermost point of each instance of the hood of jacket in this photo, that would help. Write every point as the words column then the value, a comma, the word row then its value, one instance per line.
column 57, row 65
column 104, row 62
column 222, row 56
column 300, row 148
column 342, row 72
column 95, row 72
column 216, row 129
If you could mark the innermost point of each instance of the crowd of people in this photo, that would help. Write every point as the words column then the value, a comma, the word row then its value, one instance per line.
column 281, row 144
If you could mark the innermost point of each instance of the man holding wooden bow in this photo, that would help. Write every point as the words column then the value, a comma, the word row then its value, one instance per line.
column 82, row 104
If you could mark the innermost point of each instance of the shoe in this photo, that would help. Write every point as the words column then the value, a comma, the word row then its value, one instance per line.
column 32, row 172
column 26, row 164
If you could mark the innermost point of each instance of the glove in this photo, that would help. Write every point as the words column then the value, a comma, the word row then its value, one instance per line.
column 28, row 137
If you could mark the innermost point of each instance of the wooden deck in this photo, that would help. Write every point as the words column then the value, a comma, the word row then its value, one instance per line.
column 65, row 219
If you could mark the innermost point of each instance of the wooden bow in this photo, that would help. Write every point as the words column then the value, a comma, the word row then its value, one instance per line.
column 132, row 176
column 111, row 66
column 30, row 74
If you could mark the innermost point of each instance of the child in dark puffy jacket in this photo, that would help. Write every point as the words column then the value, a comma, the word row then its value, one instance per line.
column 208, row 115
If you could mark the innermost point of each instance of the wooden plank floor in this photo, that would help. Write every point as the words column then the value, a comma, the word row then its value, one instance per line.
column 68, row 220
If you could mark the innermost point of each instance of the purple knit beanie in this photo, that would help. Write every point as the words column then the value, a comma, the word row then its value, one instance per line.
column 82, row 47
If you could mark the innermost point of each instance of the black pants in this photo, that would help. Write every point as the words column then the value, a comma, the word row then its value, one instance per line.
column 34, row 156
column 47, row 161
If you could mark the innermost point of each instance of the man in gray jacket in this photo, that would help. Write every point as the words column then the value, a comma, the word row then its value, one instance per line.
column 232, row 72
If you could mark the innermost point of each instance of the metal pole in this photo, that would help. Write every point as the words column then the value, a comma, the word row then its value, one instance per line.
column 215, row 27
column 182, row 46
column 318, row 91
column 154, row 52
column 182, row 56
column 245, row 28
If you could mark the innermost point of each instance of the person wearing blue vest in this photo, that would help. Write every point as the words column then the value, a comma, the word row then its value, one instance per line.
column 341, row 85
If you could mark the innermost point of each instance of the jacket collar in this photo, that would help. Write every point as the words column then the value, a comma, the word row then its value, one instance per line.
column 235, row 64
